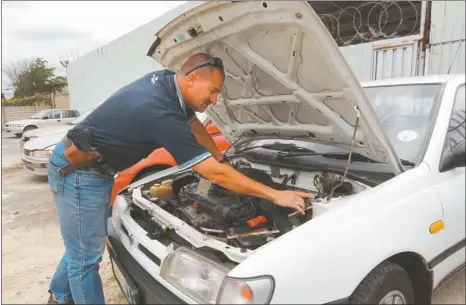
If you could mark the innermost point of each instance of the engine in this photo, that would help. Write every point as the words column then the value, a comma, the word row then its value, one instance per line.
column 239, row 220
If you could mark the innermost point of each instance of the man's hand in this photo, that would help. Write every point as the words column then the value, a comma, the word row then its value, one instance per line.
column 291, row 199
column 229, row 178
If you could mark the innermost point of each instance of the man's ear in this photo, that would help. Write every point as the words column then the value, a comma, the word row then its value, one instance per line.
column 191, row 78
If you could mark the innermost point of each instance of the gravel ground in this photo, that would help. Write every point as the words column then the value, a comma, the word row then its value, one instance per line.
column 31, row 242
column 10, row 150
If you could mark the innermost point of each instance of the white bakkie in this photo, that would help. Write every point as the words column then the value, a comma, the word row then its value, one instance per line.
column 391, row 237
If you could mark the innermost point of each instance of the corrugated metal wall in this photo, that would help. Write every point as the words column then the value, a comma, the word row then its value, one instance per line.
column 447, row 38
column 384, row 59
column 97, row 75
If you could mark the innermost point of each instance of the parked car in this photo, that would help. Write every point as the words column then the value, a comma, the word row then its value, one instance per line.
column 45, row 131
column 385, row 161
column 37, row 145
column 41, row 119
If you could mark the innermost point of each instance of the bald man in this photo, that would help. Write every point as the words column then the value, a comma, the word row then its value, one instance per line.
column 157, row 110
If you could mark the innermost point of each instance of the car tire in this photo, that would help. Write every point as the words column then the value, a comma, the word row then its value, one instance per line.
column 27, row 128
column 387, row 283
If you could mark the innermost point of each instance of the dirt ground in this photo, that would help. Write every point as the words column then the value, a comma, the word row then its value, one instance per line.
column 32, row 246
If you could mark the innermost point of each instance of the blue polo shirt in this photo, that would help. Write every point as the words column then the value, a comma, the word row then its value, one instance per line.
column 144, row 115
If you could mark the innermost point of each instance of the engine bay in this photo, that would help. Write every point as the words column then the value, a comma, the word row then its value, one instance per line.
column 240, row 221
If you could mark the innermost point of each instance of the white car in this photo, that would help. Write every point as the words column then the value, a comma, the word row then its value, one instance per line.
column 36, row 145
column 41, row 119
column 385, row 161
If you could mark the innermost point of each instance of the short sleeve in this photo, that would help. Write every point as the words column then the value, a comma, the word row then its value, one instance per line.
column 174, row 134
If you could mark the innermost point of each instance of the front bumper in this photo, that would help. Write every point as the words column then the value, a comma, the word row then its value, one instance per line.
column 15, row 130
column 35, row 165
column 146, row 290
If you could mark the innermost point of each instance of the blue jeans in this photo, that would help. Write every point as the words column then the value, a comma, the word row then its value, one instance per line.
column 82, row 199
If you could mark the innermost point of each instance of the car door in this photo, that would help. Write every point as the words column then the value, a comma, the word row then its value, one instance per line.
column 449, row 184
column 56, row 117
column 68, row 116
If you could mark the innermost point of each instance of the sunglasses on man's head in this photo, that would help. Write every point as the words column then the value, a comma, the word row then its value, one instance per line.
column 213, row 61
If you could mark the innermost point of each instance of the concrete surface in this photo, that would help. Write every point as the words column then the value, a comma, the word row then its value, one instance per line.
column 31, row 242
column 32, row 246
column 11, row 155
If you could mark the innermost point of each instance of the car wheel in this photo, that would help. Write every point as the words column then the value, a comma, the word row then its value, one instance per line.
column 27, row 128
column 388, row 283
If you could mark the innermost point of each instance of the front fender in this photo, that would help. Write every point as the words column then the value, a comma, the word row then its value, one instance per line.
column 325, row 259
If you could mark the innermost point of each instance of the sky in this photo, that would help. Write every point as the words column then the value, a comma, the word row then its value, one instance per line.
column 65, row 30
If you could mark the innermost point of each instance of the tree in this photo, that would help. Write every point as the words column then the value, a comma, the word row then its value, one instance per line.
column 15, row 71
column 29, row 78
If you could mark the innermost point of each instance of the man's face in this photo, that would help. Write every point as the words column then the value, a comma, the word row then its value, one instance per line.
column 202, row 90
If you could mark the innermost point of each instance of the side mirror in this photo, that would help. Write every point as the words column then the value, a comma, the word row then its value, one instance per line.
column 456, row 157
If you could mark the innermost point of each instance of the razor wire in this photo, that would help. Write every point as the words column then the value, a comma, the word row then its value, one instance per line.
column 371, row 27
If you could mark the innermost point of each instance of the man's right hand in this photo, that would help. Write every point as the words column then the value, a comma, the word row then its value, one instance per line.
column 291, row 199
column 229, row 178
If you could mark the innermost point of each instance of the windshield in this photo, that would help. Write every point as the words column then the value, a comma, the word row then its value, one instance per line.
column 406, row 113
column 80, row 118
column 39, row 114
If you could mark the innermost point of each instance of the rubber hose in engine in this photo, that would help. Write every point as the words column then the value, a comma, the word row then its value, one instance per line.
column 274, row 213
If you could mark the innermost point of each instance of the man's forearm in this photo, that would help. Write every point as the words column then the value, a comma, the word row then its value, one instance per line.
column 205, row 139
column 229, row 178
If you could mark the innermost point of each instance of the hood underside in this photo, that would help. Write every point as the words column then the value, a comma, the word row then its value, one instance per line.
column 285, row 76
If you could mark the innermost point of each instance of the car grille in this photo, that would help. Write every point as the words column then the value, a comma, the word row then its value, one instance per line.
column 27, row 152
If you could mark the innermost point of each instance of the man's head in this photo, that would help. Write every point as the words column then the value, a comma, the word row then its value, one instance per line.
column 200, row 79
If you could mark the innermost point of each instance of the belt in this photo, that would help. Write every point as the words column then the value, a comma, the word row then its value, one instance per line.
column 79, row 159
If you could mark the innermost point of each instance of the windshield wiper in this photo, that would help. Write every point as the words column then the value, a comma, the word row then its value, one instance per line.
column 407, row 163
column 342, row 156
column 330, row 155
column 281, row 148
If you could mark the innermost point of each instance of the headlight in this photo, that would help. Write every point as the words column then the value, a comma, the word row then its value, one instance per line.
column 257, row 290
column 43, row 153
column 191, row 273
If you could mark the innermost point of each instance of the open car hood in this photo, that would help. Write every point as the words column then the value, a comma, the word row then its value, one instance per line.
column 285, row 76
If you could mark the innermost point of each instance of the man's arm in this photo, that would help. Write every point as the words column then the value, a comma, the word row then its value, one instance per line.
column 201, row 134
column 183, row 146
column 229, row 178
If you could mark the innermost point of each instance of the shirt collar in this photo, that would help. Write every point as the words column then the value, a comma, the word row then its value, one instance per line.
column 180, row 96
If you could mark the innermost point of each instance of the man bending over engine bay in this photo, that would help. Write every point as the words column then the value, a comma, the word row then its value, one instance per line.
column 157, row 110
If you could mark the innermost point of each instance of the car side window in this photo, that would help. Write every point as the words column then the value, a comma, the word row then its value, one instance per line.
column 69, row 114
column 47, row 115
column 56, row 114
column 456, row 133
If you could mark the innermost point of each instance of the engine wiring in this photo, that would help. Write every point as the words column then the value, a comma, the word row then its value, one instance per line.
column 349, row 156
